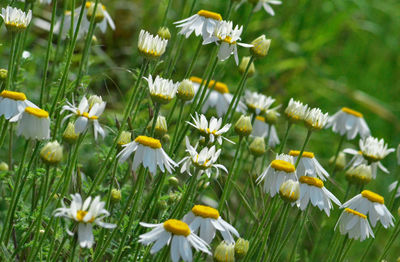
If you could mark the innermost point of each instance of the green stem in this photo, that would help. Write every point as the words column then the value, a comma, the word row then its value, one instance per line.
column 370, row 243
column 280, row 229
column 336, row 155
column 289, row 125
column 393, row 197
column 10, row 62
column 155, row 117
column 166, row 13
column 390, row 241
column 309, row 132
column 205, row 87
column 177, row 126
column 302, row 223
column 194, row 59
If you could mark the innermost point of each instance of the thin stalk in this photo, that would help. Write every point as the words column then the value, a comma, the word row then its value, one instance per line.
column 205, row 88
column 302, row 224
column 171, row 111
column 393, row 196
column 179, row 208
column 309, row 132
column 164, row 20
column 280, row 229
column 340, row 250
column 370, row 243
column 390, row 241
column 10, row 148
column 336, row 155
column 346, row 250
column 194, row 59
column 177, row 126
column 10, row 62
column 289, row 125
column 157, row 107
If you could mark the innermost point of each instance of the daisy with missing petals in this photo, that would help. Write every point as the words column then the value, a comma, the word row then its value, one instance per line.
column 207, row 221
column 227, row 37
column 296, row 111
column 257, row 103
column 15, row 19
column 312, row 189
column 149, row 153
column 315, row 119
column 86, row 214
column 373, row 205
column 355, row 224
column 203, row 161
column 13, row 104
column 151, row 46
column 266, row 4
column 203, row 23
column 350, row 123
column 210, row 130
column 161, row 90
column 309, row 165
column 34, row 124
column 260, row 129
column 280, row 170
column 178, row 235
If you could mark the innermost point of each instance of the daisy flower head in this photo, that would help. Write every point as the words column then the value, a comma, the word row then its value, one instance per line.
column 52, row 153
column 13, row 104
column 203, row 161
column 374, row 149
column 178, row 235
column 280, row 170
column 290, row 190
column 312, row 189
column 102, row 17
column 355, row 224
column 309, row 165
column 257, row 103
column 225, row 252
column 315, row 119
column 296, row 111
column 227, row 37
column 211, row 130
column 34, row 124
column 15, row 19
column 373, row 205
column 206, row 220
column 151, row 46
column 266, row 4
column 161, row 90
column 260, row 46
column 257, row 147
column 149, row 153
column 86, row 214
column 359, row 174
column 261, row 129
column 349, row 122
column 203, row 23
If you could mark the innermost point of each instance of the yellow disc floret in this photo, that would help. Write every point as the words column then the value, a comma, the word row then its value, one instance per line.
column 89, row 117
column 177, row 227
column 196, row 79
column 352, row 112
column 37, row 112
column 312, row 181
column 209, row 14
column 351, row 211
column 282, row 165
column 259, row 118
column 205, row 211
column 148, row 141
column 80, row 215
column 373, row 197
column 219, row 87
column 13, row 95
column 305, row 154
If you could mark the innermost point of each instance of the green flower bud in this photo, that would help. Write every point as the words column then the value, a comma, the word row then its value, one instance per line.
column 340, row 161
column 271, row 117
column 241, row 247
column 69, row 134
column 257, row 147
column 94, row 100
column 3, row 74
column 260, row 46
column 99, row 15
column 161, row 126
column 185, row 90
column 224, row 252
column 3, row 166
column 360, row 175
column 116, row 195
column 173, row 181
column 243, row 126
column 164, row 33
column 243, row 65
column 124, row 138
column 52, row 153
column 290, row 190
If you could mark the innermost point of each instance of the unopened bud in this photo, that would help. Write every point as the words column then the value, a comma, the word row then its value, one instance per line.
column 164, row 33
column 225, row 252
column 124, row 138
column 116, row 195
column 69, row 134
column 257, row 147
column 260, row 46
column 241, row 247
column 3, row 74
column 271, row 117
column 94, row 100
column 3, row 166
column 243, row 65
column 99, row 15
column 173, row 181
column 160, row 128
column 52, row 153
column 340, row 161
column 185, row 90
column 290, row 190
column 360, row 175
column 243, row 126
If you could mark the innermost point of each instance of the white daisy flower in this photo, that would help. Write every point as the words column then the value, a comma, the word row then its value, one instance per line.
column 161, row 90
column 350, row 123
column 315, row 119
column 86, row 114
column 227, row 37
column 210, row 130
column 106, row 18
column 256, row 102
column 15, row 19
column 85, row 214
column 373, row 205
column 151, row 46
column 206, row 220
column 219, row 97
column 13, row 104
column 34, row 124
column 312, row 189
column 296, row 111
column 203, row 161
column 280, row 170
column 203, row 23
column 355, row 224
column 178, row 235
column 392, row 187
column 149, row 153
column 309, row 165
column 260, row 129
column 266, row 4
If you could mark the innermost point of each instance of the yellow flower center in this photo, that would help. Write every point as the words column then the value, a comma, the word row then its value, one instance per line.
column 228, row 40
column 177, row 227
column 85, row 114
column 205, row 211
column 209, row 14
column 260, row 118
column 13, row 95
column 305, row 154
column 351, row 211
column 219, row 87
column 282, row 165
column 196, row 79
column 352, row 112
column 37, row 112
column 312, row 181
column 89, row 4
column 148, row 141
column 80, row 214
column 373, row 197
